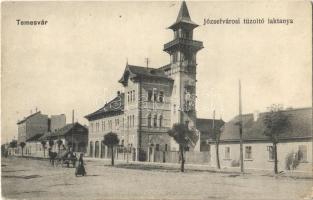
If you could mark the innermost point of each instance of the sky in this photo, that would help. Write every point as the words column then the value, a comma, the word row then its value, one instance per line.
column 76, row 60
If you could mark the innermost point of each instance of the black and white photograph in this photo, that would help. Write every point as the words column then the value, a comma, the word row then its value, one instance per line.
column 171, row 100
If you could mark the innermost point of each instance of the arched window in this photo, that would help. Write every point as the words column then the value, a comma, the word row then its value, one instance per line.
column 149, row 120
column 91, row 149
column 155, row 121
column 161, row 121
column 97, row 149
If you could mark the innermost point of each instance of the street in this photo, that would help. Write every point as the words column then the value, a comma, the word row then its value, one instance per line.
column 36, row 179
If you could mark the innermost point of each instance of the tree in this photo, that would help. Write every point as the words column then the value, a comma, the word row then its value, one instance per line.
column 180, row 133
column 22, row 144
column 59, row 142
column 217, row 143
column 110, row 140
column 13, row 144
column 275, row 122
column 43, row 143
column 51, row 143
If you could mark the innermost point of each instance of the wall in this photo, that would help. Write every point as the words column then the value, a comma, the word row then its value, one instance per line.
column 98, row 134
column 57, row 122
column 37, row 124
column 260, row 155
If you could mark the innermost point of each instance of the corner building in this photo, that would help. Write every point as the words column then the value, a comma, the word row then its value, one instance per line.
column 153, row 100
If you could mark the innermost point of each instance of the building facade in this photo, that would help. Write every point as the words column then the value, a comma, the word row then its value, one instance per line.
column 32, row 125
column 153, row 99
column 258, row 149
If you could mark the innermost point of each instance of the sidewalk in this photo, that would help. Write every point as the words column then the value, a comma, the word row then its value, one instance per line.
column 206, row 168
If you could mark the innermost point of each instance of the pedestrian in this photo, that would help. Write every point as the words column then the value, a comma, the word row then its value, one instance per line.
column 80, row 169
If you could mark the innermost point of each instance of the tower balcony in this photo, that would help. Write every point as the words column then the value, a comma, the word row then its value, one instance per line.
column 183, row 43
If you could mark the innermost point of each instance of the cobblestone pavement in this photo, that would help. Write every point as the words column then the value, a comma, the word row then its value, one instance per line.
column 36, row 179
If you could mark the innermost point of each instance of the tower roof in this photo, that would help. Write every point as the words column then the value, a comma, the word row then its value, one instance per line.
column 183, row 17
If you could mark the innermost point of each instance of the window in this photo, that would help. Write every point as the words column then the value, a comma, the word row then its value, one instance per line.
column 248, row 152
column 133, row 120
column 91, row 127
column 165, row 147
column 110, row 124
column 128, row 122
column 97, row 126
column 150, row 95
column 128, row 97
column 160, row 121
column 133, row 95
column 155, row 119
column 227, row 153
column 157, row 147
column 155, row 94
column 302, row 153
column 149, row 121
column 161, row 96
column 175, row 56
column 270, row 152
column 174, row 108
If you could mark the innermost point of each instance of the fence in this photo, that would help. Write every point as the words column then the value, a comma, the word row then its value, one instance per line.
column 174, row 157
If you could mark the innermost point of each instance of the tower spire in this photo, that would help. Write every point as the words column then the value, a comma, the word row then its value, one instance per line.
column 183, row 13
column 183, row 18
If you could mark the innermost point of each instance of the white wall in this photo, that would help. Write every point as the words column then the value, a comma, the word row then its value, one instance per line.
column 260, row 155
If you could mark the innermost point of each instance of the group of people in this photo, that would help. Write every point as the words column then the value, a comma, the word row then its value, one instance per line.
column 69, row 155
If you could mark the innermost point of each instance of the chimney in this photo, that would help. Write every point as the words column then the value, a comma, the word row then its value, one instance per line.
column 256, row 115
column 72, row 116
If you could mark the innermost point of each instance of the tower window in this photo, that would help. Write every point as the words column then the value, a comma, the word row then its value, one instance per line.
column 161, row 96
column 155, row 94
column 155, row 121
column 133, row 95
column 150, row 95
column 149, row 120
column 160, row 121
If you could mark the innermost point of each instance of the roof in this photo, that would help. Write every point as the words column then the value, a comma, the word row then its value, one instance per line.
column 45, row 136
column 34, row 138
column 205, row 126
column 300, row 121
column 28, row 117
column 68, row 128
column 132, row 71
column 115, row 106
column 183, row 17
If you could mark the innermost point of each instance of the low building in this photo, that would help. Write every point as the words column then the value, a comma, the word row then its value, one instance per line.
column 258, row 149
column 72, row 135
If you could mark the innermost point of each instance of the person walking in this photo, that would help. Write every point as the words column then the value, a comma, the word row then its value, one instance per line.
column 80, row 169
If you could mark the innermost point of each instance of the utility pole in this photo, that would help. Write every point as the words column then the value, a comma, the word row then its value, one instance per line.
column 240, row 130
column 216, row 142
column 147, row 62
column 72, row 129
